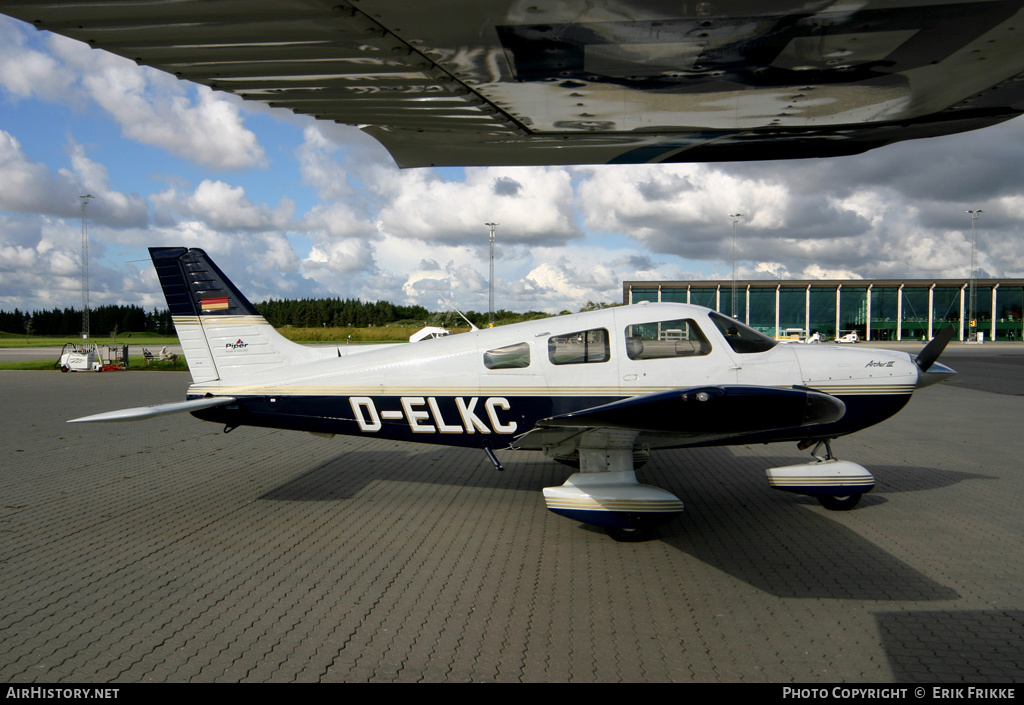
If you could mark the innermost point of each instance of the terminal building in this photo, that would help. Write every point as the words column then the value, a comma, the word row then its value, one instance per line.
column 911, row 309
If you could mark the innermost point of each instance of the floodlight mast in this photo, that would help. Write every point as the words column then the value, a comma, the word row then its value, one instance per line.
column 735, row 219
column 972, row 312
column 85, row 264
column 490, row 297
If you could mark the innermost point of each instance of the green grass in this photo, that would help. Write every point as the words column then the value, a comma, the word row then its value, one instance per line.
column 135, row 363
column 28, row 365
column 375, row 334
column 14, row 340
column 339, row 336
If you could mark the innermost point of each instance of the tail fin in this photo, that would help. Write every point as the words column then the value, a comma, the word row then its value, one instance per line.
column 222, row 335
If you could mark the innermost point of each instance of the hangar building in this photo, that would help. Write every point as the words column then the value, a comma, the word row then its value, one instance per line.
column 910, row 309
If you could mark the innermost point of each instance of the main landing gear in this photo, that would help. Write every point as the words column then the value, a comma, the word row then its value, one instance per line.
column 606, row 493
column 614, row 501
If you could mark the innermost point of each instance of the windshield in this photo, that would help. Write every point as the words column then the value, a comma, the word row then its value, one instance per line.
column 742, row 338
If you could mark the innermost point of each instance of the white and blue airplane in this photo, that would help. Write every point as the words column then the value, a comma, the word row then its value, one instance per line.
column 597, row 391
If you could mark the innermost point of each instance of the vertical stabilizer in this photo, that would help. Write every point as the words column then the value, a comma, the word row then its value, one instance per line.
column 222, row 335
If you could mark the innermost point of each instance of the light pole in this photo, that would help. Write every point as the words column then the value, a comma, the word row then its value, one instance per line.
column 490, row 297
column 85, row 264
column 972, row 310
column 735, row 219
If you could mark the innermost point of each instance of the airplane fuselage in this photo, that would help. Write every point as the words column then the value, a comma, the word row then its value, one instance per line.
column 485, row 388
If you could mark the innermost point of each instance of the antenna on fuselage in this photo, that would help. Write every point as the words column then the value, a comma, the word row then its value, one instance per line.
column 444, row 299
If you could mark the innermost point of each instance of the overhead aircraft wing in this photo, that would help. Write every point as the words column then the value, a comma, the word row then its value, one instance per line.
column 696, row 415
column 514, row 82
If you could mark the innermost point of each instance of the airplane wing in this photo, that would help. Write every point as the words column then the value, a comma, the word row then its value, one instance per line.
column 693, row 415
column 509, row 82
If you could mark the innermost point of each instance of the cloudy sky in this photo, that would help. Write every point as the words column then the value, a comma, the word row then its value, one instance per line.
column 291, row 208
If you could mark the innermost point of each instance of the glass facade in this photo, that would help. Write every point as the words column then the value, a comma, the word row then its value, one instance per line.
column 639, row 295
column 792, row 309
column 704, row 297
column 884, row 301
column 726, row 297
column 946, row 306
column 674, row 295
column 914, row 321
column 888, row 310
column 983, row 310
column 1009, row 302
column 823, row 312
column 762, row 310
column 853, row 311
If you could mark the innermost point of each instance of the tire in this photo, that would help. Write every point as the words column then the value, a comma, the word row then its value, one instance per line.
column 836, row 503
column 631, row 534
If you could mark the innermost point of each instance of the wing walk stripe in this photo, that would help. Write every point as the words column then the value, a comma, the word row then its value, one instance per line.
column 824, row 481
column 615, row 505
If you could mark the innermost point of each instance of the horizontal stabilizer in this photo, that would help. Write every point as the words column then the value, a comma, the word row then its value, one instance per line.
column 146, row 412
column 728, row 410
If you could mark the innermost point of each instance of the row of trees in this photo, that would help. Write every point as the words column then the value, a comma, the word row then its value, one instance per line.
column 299, row 313
column 346, row 313
column 338, row 313
column 103, row 320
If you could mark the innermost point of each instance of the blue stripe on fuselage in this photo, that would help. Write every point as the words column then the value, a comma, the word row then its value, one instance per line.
column 490, row 421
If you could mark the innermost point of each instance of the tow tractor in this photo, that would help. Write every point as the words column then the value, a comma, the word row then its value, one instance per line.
column 88, row 357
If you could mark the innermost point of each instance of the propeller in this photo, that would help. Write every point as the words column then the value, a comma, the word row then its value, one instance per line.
column 927, row 357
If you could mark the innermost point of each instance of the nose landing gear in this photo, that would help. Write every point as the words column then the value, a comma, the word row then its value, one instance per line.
column 838, row 485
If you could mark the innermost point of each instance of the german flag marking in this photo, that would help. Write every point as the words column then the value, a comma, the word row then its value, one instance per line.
column 214, row 304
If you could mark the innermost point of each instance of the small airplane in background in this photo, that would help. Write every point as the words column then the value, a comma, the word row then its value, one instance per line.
column 597, row 391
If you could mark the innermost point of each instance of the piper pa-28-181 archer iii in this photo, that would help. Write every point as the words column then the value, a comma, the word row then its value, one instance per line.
column 596, row 390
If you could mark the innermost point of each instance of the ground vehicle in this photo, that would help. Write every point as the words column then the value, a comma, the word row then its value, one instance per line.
column 88, row 357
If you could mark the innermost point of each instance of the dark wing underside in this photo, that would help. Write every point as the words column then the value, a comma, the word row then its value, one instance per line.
column 492, row 82
column 690, row 416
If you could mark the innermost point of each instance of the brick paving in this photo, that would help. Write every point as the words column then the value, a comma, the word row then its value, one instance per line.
column 167, row 551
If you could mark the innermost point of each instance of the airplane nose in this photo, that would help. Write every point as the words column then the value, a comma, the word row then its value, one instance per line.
column 936, row 373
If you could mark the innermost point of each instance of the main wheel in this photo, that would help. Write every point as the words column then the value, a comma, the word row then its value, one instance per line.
column 839, row 503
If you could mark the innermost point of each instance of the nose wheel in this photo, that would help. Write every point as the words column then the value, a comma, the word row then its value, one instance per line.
column 838, row 485
column 837, row 503
column 631, row 534
column 834, row 503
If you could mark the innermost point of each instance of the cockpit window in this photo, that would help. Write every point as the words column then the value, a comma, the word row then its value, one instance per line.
column 740, row 337
column 575, row 348
column 660, row 339
column 509, row 357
